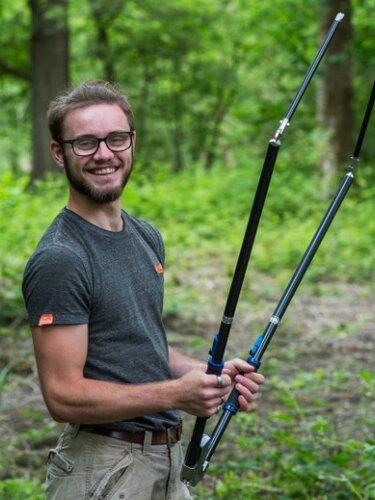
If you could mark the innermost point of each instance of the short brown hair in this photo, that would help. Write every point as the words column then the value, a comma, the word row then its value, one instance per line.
column 85, row 94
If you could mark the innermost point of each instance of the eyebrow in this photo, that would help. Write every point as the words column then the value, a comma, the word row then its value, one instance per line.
column 96, row 137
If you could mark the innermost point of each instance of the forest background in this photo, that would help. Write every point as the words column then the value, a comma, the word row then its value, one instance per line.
column 209, row 82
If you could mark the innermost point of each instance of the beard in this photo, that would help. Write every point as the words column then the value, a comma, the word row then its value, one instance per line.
column 101, row 196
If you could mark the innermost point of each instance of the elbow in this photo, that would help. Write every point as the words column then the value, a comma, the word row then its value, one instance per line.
column 58, row 407
column 57, row 418
column 58, row 412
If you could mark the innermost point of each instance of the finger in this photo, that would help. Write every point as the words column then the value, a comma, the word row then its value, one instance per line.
column 220, row 401
column 220, row 381
column 256, row 377
column 237, row 365
column 247, row 383
column 214, row 410
column 245, row 393
column 246, row 405
column 243, row 403
column 244, row 367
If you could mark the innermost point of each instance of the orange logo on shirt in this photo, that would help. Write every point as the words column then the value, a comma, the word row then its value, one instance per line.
column 45, row 319
column 159, row 268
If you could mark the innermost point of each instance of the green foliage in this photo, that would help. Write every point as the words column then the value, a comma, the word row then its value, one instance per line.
column 23, row 221
column 307, row 467
column 19, row 489
column 200, row 212
column 14, row 76
column 298, row 451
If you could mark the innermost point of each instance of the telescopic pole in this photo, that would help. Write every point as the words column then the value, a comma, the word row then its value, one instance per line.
column 215, row 362
column 261, row 344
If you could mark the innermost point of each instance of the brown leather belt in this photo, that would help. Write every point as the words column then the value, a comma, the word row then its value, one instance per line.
column 167, row 436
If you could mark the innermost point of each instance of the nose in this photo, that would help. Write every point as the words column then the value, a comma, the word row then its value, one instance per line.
column 103, row 151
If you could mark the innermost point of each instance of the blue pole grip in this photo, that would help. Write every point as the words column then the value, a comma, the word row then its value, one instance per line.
column 214, row 367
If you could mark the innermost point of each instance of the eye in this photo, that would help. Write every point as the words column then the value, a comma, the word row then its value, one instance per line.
column 86, row 143
column 118, row 139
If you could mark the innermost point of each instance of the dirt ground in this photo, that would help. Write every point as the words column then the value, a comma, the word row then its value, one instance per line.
column 327, row 328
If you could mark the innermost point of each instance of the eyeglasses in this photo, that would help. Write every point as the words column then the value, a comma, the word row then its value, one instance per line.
column 87, row 145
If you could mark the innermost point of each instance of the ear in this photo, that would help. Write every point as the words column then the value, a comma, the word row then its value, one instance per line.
column 57, row 153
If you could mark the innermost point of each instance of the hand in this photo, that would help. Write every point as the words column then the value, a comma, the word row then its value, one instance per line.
column 245, row 380
column 199, row 393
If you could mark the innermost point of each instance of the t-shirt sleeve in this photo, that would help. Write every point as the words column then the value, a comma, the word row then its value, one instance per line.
column 154, row 238
column 56, row 288
column 159, row 245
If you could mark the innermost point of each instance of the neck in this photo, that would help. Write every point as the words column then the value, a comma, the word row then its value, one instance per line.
column 104, row 215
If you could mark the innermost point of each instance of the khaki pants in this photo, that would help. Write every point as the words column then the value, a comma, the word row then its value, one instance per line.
column 88, row 466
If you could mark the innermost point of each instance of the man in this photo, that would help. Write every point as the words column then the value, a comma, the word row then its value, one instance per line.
column 94, row 290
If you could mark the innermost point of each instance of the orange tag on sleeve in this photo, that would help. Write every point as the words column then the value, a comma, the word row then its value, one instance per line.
column 45, row 319
column 159, row 268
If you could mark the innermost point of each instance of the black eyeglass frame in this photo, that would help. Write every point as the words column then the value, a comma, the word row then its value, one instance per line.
column 130, row 133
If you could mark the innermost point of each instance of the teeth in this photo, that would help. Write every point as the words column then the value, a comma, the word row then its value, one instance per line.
column 104, row 171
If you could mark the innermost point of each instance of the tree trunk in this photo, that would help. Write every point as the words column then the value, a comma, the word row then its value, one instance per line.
column 104, row 13
column 176, row 125
column 335, row 93
column 104, row 51
column 222, row 106
column 49, row 72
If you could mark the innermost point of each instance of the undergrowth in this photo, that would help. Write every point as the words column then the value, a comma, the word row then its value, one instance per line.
column 202, row 216
column 294, row 452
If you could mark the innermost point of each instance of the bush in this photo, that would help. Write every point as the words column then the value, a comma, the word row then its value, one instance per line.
column 19, row 489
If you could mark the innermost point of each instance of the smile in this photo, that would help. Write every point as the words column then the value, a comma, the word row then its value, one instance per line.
column 104, row 171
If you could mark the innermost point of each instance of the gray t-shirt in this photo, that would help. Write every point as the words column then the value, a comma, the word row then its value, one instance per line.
column 113, row 282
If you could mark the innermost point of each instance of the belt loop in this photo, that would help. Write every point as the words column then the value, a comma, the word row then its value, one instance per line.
column 73, row 429
column 169, row 437
column 179, row 429
column 147, row 441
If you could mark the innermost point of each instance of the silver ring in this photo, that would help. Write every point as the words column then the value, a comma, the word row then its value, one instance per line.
column 218, row 409
column 219, row 381
column 222, row 400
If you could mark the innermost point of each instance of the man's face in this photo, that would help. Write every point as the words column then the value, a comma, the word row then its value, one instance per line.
column 103, row 175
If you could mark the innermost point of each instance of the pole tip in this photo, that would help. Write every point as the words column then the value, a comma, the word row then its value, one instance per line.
column 339, row 16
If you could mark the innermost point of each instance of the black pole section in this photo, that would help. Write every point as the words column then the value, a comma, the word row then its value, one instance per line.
column 364, row 125
column 217, row 352
column 261, row 344
column 215, row 361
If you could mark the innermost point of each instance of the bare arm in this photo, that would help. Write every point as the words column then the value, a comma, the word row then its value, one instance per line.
column 70, row 397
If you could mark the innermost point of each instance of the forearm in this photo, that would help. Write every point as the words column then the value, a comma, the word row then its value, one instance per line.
column 180, row 364
column 89, row 401
column 61, row 353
